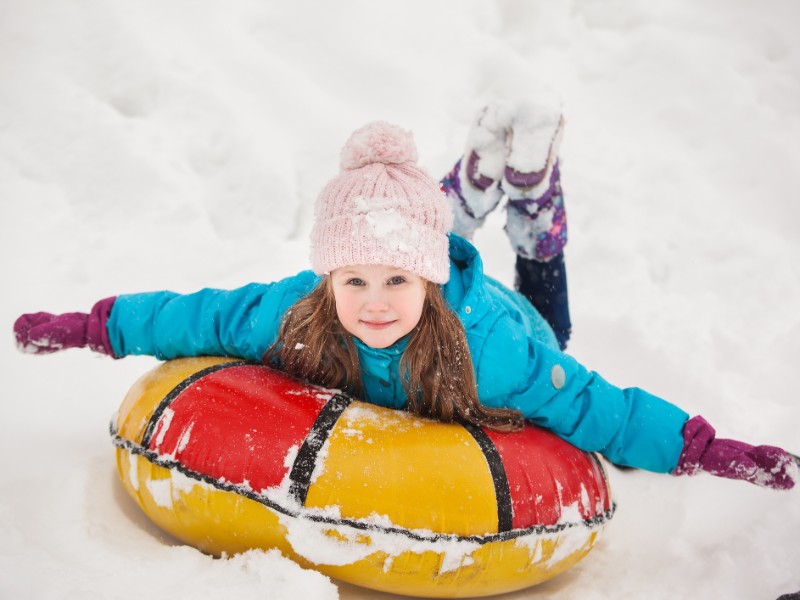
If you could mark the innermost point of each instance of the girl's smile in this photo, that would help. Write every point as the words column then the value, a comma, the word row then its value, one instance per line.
column 378, row 325
column 378, row 304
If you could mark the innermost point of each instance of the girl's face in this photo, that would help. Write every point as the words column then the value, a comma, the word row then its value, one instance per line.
column 377, row 304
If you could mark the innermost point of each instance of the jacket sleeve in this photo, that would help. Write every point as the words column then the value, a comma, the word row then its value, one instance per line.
column 242, row 322
column 628, row 426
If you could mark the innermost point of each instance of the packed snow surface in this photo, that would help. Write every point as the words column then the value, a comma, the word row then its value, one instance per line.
column 179, row 145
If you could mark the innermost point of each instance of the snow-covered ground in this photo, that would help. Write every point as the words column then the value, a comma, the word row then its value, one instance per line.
column 150, row 145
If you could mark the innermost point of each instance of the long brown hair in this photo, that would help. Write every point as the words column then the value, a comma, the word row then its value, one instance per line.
column 436, row 368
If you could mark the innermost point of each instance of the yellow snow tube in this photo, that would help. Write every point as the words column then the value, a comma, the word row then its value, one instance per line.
column 229, row 455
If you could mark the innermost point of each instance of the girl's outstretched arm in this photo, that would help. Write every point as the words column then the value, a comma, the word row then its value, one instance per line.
column 242, row 322
column 208, row 322
column 631, row 426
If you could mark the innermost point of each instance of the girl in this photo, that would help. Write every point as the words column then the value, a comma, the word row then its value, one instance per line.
column 398, row 312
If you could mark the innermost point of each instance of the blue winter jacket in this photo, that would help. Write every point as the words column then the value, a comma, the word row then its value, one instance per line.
column 515, row 356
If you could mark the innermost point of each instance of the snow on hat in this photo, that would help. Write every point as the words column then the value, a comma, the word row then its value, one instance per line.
column 382, row 208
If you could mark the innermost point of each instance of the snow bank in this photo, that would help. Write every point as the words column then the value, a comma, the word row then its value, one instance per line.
column 180, row 145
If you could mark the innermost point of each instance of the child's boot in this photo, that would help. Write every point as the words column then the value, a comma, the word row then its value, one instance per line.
column 535, row 131
column 537, row 225
column 473, row 185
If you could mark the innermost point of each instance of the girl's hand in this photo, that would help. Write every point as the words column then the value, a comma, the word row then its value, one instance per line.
column 44, row 333
column 766, row 466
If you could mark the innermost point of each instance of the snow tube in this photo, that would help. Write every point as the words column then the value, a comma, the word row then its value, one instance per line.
column 229, row 455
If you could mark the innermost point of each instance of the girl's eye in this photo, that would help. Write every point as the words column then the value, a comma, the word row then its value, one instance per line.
column 355, row 281
column 397, row 280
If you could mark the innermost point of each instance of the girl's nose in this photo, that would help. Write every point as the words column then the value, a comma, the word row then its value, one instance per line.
column 376, row 303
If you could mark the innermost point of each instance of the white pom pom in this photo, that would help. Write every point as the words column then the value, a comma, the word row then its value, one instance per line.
column 378, row 142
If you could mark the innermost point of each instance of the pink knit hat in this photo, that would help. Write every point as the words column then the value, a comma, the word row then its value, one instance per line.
column 382, row 208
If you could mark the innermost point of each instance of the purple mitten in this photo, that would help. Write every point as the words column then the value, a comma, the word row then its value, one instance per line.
column 766, row 466
column 43, row 333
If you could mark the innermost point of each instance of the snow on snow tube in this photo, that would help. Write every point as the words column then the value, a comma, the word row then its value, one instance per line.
column 229, row 455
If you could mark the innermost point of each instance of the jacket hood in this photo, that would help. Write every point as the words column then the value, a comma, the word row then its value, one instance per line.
column 466, row 291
